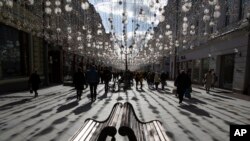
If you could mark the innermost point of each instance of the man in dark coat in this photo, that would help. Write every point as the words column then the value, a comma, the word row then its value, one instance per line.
column 163, row 80
column 107, row 76
column 34, row 81
column 183, row 83
column 78, row 81
column 92, row 78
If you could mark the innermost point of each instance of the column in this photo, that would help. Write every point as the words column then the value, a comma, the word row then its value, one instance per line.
column 31, row 56
column 46, row 63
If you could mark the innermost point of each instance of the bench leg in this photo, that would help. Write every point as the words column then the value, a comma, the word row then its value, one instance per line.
column 107, row 131
column 126, row 131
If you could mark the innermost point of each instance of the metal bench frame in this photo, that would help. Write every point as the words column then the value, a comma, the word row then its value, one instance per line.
column 130, row 126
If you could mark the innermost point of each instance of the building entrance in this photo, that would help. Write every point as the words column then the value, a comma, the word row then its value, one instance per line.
column 227, row 71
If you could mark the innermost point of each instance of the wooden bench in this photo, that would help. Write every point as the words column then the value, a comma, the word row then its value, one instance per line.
column 137, row 130
column 93, row 130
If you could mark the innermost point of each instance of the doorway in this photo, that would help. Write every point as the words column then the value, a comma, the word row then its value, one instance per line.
column 227, row 71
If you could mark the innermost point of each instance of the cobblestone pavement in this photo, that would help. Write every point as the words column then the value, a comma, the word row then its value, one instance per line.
column 56, row 114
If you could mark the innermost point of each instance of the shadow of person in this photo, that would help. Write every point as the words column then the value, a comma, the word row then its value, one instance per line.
column 194, row 109
column 83, row 108
column 67, row 106
column 140, row 90
column 105, row 95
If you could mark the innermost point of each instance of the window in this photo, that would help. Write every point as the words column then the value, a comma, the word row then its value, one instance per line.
column 13, row 52
column 241, row 11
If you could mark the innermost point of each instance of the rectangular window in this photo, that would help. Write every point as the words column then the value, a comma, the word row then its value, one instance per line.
column 241, row 11
column 13, row 53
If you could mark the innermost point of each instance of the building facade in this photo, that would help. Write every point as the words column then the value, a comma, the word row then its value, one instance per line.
column 225, row 49
column 33, row 37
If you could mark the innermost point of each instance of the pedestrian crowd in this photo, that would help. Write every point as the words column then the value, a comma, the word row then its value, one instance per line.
column 93, row 75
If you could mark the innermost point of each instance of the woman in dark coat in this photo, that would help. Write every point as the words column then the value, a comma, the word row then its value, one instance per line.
column 78, row 81
column 183, row 83
column 34, row 81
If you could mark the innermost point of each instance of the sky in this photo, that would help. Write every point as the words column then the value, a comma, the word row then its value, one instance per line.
column 114, row 9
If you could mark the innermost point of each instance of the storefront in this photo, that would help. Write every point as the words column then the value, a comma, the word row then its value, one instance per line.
column 227, row 58
column 20, row 54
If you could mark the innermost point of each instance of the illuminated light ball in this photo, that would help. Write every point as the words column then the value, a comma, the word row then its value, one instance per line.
column 68, row 8
column 9, row 3
column 217, row 7
column 206, row 18
column 58, row 10
column 31, row 2
column 58, row 29
column 184, row 25
column 47, row 3
column 68, row 1
column 206, row 11
column 212, row 2
column 89, row 36
column 192, row 32
column 57, row 3
column 1, row 4
column 69, row 29
column 217, row 14
column 211, row 23
column 85, row 5
column 162, row 18
column 168, row 26
column 79, row 38
column 69, row 37
column 48, row 10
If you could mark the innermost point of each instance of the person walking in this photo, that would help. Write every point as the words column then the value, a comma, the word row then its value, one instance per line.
column 92, row 78
column 79, row 80
column 163, row 80
column 157, row 80
column 183, row 83
column 107, row 76
column 215, row 79
column 208, row 80
column 137, row 79
column 34, row 81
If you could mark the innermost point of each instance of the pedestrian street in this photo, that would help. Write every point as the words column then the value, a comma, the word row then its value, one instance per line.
column 56, row 114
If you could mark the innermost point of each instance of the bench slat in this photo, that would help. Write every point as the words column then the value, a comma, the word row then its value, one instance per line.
column 150, row 135
column 86, row 133
column 79, row 133
column 156, row 137
column 163, row 132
